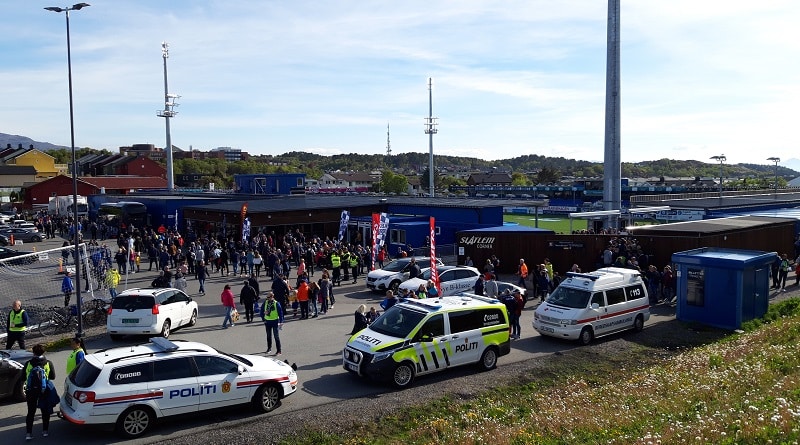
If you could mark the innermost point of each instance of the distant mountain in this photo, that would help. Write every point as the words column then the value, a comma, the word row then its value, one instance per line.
column 16, row 140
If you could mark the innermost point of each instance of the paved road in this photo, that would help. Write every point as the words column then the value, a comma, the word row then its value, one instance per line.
column 314, row 345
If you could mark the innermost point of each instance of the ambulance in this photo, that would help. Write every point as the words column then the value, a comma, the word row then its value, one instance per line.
column 590, row 305
column 418, row 337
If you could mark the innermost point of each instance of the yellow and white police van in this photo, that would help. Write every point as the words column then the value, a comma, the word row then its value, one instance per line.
column 133, row 386
column 417, row 337
column 590, row 305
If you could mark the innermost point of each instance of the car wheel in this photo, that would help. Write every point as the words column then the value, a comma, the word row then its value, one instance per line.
column 403, row 375
column 267, row 398
column 165, row 330
column 394, row 286
column 116, row 337
column 193, row 319
column 586, row 336
column 488, row 359
column 638, row 324
column 19, row 390
column 135, row 421
column 36, row 239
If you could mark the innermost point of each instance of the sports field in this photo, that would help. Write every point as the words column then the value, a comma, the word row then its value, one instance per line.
column 557, row 223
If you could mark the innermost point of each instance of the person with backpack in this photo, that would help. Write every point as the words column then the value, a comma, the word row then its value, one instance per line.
column 38, row 371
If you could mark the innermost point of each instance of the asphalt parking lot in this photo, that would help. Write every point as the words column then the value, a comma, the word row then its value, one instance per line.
column 314, row 345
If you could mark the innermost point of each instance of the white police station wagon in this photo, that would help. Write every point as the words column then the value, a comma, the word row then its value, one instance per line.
column 133, row 386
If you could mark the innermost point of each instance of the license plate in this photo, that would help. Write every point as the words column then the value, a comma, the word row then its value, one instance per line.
column 351, row 367
column 546, row 329
column 130, row 320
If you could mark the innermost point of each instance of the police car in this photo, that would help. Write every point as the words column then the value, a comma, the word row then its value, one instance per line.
column 452, row 280
column 417, row 337
column 133, row 386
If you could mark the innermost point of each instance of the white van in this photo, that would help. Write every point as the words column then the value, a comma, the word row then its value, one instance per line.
column 589, row 305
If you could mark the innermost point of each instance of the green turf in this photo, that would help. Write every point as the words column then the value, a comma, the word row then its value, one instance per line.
column 557, row 223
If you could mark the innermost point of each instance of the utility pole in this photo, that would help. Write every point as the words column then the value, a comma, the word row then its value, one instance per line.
column 612, row 162
column 430, row 130
column 388, row 145
column 166, row 113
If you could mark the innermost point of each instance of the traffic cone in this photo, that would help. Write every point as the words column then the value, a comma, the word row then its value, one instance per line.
column 12, row 239
column 61, row 265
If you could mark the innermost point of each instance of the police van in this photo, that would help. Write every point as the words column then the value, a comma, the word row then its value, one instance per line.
column 590, row 305
column 132, row 386
column 417, row 337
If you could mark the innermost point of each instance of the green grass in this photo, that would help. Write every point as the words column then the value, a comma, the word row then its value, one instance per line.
column 744, row 388
column 557, row 223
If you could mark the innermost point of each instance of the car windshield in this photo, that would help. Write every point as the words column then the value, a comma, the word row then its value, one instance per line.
column 133, row 302
column 84, row 375
column 395, row 266
column 568, row 297
column 397, row 322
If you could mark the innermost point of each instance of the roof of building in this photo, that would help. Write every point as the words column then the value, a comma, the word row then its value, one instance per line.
column 354, row 177
column 17, row 170
column 285, row 203
column 125, row 182
column 709, row 226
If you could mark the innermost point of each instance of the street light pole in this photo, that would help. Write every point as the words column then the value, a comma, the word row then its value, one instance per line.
column 776, row 160
column 720, row 159
column 76, row 232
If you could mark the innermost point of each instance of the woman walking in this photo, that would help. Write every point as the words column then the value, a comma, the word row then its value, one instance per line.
column 227, row 302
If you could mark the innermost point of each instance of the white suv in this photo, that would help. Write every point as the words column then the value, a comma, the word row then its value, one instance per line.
column 394, row 273
column 453, row 280
column 132, row 386
column 150, row 311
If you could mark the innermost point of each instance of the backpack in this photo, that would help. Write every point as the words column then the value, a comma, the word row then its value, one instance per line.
column 37, row 380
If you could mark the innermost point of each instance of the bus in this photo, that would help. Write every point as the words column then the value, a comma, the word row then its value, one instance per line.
column 125, row 213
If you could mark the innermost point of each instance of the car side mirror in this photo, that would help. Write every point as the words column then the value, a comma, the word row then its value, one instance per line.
column 241, row 369
column 595, row 306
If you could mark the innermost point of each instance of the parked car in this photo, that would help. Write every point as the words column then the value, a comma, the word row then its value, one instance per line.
column 395, row 272
column 12, row 373
column 503, row 286
column 452, row 280
column 3, row 240
column 25, row 235
column 6, row 253
column 149, row 312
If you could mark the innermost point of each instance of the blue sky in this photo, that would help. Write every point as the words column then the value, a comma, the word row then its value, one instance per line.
column 699, row 78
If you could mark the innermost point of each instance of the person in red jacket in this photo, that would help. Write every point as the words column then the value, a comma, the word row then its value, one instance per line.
column 227, row 302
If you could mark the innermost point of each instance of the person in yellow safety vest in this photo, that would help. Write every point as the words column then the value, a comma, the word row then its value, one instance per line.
column 354, row 266
column 346, row 264
column 77, row 355
column 112, row 281
column 16, row 325
column 336, row 265
column 272, row 315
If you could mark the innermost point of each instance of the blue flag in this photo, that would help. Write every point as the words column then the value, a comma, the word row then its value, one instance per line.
column 345, row 219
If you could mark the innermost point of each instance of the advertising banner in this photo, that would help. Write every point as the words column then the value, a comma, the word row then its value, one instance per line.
column 343, row 221
column 434, row 271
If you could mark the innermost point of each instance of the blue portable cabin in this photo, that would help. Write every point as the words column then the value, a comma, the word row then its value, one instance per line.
column 722, row 287
column 270, row 184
